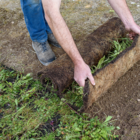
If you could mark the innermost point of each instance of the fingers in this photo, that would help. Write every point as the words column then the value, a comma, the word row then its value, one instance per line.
column 81, row 82
column 91, row 79
column 132, row 35
column 81, row 74
column 136, row 29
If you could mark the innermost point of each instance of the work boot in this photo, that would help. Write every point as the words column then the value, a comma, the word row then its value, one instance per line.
column 52, row 40
column 44, row 52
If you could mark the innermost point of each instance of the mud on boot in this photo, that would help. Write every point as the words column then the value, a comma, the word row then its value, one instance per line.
column 44, row 52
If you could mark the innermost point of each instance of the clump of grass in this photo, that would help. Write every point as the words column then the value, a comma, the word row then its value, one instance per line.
column 118, row 46
column 21, row 105
column 86, row 129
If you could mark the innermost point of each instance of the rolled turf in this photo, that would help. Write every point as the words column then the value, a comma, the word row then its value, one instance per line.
column 92, row 49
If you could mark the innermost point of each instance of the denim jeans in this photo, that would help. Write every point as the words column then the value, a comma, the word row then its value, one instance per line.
column 35, row 20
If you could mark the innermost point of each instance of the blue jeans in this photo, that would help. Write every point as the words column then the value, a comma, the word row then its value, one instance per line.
column 35, row 20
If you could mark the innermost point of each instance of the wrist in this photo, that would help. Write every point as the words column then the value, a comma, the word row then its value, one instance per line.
column 79, row 62
column 128, row 23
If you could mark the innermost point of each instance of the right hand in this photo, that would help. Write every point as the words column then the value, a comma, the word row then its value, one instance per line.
column 81, row 73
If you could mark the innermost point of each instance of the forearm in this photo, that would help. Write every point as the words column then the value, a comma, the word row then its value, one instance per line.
column 122, row 10
column 64, row 37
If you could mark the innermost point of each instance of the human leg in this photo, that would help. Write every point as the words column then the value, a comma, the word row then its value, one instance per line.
column 38, row 29
column 34, row 19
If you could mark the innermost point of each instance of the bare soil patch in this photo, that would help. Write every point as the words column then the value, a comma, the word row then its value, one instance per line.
column 122, row 102
column 15, row 44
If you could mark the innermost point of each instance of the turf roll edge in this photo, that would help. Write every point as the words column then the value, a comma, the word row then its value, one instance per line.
column 108, row 75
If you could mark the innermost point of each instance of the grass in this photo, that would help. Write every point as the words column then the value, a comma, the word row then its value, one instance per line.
column 119, row 46
column 26, row 106
column 29, row 111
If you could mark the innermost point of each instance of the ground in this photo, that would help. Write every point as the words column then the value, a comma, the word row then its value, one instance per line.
column 122, row 101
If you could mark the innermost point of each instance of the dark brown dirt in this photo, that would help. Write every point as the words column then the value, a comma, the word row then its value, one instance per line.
column 122, row 102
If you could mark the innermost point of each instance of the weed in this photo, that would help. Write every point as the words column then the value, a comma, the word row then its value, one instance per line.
column 86, row 129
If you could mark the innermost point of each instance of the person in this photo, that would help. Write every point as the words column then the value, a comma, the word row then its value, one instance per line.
column 46, row 25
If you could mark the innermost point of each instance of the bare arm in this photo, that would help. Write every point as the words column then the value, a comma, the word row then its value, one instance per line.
column 64, row 37
column 123, row 12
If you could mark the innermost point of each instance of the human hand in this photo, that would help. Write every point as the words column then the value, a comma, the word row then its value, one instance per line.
column 133, row 27
column 81, row 73
column 131, row 35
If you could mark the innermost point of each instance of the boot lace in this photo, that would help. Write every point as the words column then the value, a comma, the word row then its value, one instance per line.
column 44, row 46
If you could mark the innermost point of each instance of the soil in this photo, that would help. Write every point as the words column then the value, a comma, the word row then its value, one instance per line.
column 122, row 101
column 15, row 44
